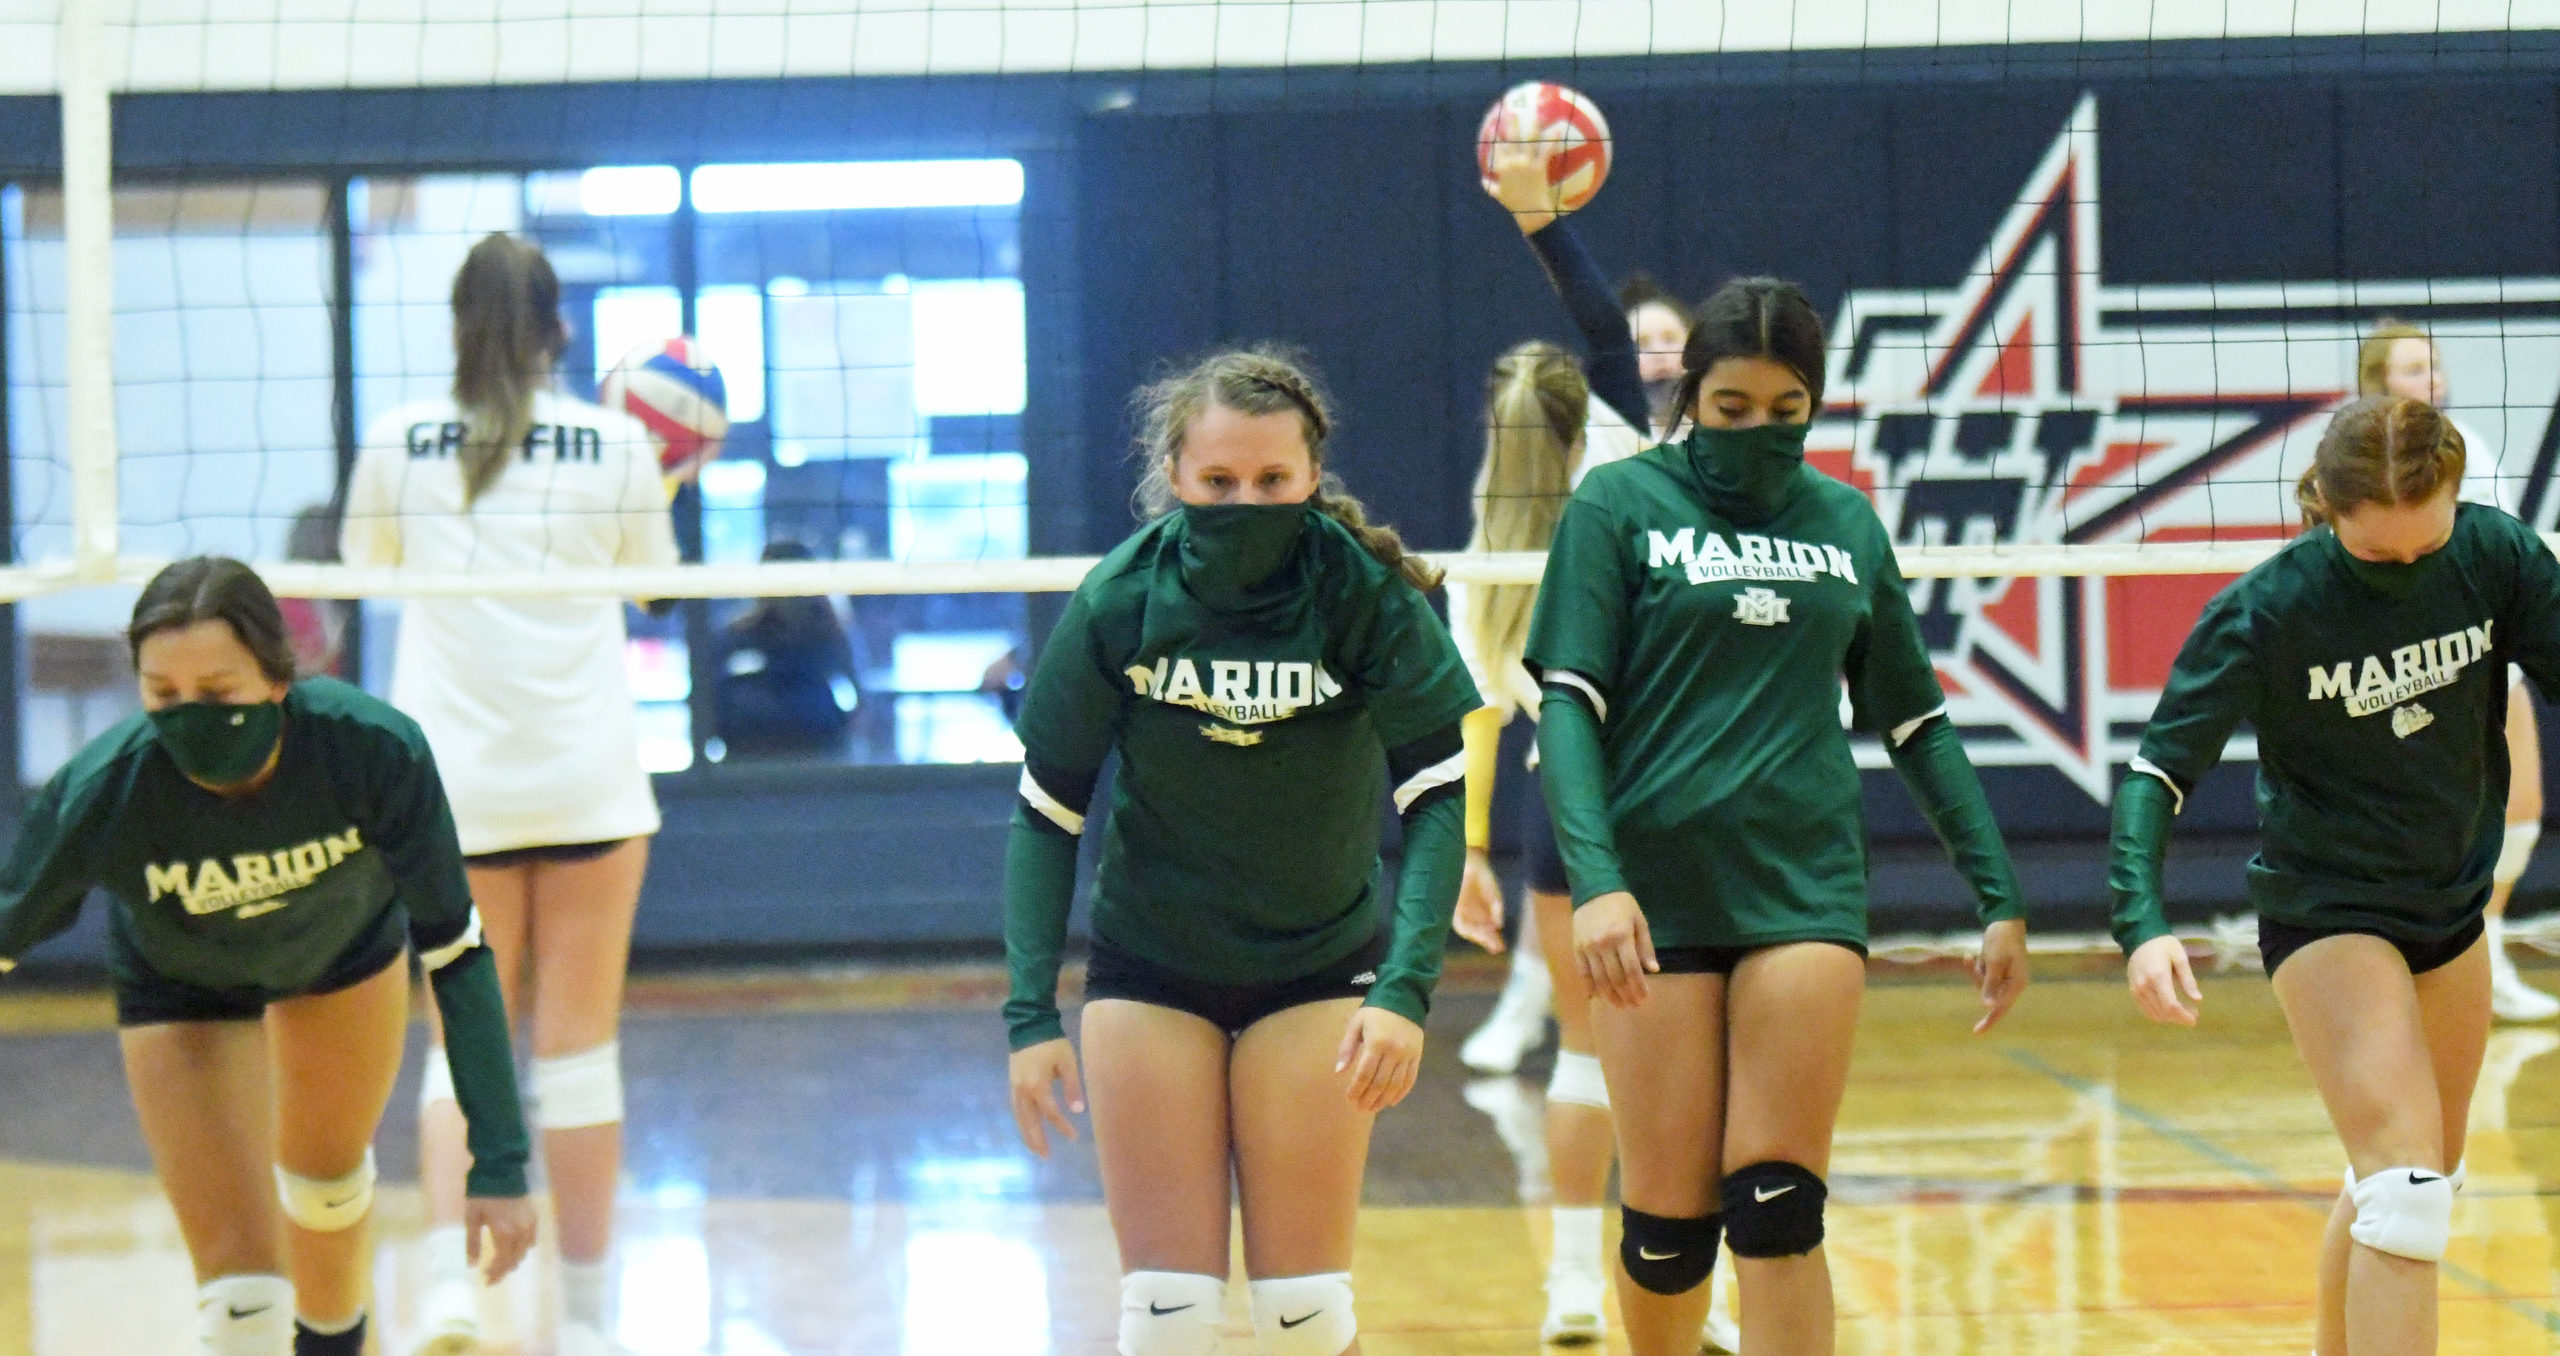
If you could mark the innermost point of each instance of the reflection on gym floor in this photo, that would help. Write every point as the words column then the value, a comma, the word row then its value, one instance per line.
column 826, row 1164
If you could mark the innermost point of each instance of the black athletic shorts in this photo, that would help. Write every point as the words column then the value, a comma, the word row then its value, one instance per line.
column 1539, row 854
column 1721, row 960
column 145, row 998
column 1113, row 973
column 557, row 852
column 2276, row 941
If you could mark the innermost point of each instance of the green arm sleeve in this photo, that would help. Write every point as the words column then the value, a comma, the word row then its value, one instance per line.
column 1575, row 770
column 2534, row 630
column 1933, row 764
column 1435, row 856
column 2136, row 843
column 484, row 1072
column 45, row 878
column 1070, row 720
column 1039, row 889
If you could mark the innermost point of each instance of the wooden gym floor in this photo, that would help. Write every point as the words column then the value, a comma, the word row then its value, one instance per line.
column 824, row 1163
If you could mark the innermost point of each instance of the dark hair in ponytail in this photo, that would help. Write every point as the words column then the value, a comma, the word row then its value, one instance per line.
column 215, row 588
column 1751, row 318
column 1261, row 380
column 507, row 337
column 2387, row 450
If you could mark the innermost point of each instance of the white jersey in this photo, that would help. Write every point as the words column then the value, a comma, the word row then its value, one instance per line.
column 1605, row 438
column 2481, row 482
column 525, row 701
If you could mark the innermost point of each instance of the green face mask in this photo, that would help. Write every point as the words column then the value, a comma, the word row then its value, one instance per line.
column 219, row 744
column 1749, row 473
column 1228, row 550
column 2391, row 579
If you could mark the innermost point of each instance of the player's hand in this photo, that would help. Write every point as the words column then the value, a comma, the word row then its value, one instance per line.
column 509, row 1221
column 1520, row 183
column 1039, row 1072
column 1479, row 916
column 1615, row 947
column 2158, row 973
column 1381, row 1051
column 2001, row 969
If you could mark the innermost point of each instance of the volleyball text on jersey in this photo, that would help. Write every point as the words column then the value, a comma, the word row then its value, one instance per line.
column 1240, row 691
column 253, row 878
column 1707, row 559
column 564, row 442
column 2430, row 664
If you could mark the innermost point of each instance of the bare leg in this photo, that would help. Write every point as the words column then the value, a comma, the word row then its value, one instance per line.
column 335, row 1056
column 1156, row 1080
column 581, row 915
column 1580, row 1139
column 201, row 1092
column 1793, row 1012
column 1666, row 1089
column 1300, row 1145
column 2356, row 1016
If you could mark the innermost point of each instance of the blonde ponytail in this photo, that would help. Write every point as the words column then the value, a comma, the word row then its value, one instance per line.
column 1536, row 402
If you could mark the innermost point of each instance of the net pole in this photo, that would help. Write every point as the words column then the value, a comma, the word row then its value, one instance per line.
column 88, row 237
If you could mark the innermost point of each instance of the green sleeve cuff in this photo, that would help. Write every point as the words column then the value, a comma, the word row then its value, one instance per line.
column 1039, row 890
column 484, row 1072
column 1933, row 764
column 1435, row 859
column 1575, row 772
column 2138, row 843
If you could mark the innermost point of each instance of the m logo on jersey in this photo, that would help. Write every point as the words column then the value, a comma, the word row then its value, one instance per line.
column 253, row 882
column 1759, row 607
column 2034, row 403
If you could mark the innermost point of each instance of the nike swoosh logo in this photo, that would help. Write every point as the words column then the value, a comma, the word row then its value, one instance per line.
column 1650, row 1255
column 1293, row 1322
column 238, row 1313
column 1159, row 1313
column 341, row 1205
column 1764, row 1197
column 2417, row 1180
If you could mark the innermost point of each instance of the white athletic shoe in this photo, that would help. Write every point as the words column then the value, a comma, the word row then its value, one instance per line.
column 1574, row 1317
column 2510, row 998
column 1517, row 1024
column 448, row 1319
column 1723, row 1334
column 1521, row 1125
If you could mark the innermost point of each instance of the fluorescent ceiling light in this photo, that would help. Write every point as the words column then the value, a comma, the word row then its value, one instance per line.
column 845, row 186
column 630, row 191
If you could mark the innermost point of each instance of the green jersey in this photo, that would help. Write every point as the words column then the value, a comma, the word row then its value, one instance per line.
column 1257, row 731
column 2379, row 697
column 1711, row 653
column 349, row 846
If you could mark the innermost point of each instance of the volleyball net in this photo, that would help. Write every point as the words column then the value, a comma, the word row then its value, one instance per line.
column 2095, row 277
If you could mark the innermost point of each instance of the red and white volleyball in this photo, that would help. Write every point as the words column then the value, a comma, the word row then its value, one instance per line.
column 674, row 389
column 1542, row 111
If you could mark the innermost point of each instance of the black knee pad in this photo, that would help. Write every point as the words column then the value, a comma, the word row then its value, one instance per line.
column 1667, row 1256
column 1773, row 1210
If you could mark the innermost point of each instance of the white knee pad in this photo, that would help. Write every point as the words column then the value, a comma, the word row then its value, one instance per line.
column 2407, row 1212
column 326, row 1207
column 1304, row 1315
column 2515, row 852
column 245, row 1316
column 1170, row 1313
column 571, row 1092
column 435, row 1081
column 1577, row 1080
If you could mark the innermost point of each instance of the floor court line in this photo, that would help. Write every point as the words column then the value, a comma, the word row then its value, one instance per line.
column 2268, row 1177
